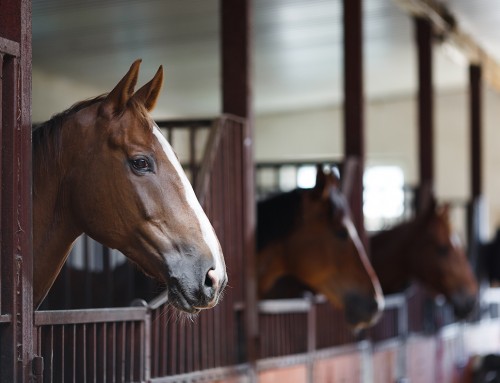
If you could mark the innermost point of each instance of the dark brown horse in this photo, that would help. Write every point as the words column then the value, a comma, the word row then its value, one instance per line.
column 308, row 234
column 427, row 250
column 104, row 168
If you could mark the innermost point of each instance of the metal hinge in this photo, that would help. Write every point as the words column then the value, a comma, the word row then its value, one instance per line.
column 37, row 369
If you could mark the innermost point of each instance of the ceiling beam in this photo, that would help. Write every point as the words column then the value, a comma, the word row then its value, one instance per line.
column 446, row 28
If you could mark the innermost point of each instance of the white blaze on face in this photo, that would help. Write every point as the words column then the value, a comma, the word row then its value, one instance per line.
column 205, row 225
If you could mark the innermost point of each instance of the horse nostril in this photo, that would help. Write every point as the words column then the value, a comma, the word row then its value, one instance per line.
column 211, row 280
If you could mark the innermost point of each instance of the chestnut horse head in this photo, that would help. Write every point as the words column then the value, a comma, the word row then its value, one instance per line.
column 428, row 250
column 308, row 234
column 104, row 168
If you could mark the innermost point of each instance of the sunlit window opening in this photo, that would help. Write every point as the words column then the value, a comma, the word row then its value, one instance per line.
column 383, row 196
column 287, row 178
column 306, row 177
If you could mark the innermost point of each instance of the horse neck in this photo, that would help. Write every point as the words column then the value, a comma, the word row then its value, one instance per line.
column 391, row 255
column 54, row 230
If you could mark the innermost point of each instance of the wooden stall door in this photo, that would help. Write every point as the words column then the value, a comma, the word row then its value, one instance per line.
column 16, row 307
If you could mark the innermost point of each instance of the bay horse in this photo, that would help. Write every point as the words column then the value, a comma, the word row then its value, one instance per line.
column 103, row 168
column 426, row 249
column 308, row 234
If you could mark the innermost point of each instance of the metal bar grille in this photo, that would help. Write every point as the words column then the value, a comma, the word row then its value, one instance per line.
column 92, row 345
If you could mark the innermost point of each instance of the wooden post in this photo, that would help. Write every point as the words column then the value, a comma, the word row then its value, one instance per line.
column 354, row 135
column 475, row 75
column 16, row 305
column 474, row 209
column 425, row 109
column 236, row 99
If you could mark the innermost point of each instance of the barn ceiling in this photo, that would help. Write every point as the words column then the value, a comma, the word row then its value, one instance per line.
column 297, row 48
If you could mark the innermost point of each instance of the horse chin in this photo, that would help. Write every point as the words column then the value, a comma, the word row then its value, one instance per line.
column 361, row 311
column 463, row 304
column 180, row 302
column 189, row 297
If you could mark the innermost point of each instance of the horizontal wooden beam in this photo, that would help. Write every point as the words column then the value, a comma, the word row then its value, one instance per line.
column 447, row 28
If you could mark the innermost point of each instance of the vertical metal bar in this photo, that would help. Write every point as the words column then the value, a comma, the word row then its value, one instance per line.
column 99, row 351
column 131, row 349
column 122, row 356
column 196, row 346
column 165, row 341
column 147, row 362
column 172, row 349
column 73, row 353
column 311, row 327
column 51, row 353
column 63, row 354
column 354, row 131
column 112, row 356
column 229, row 195
column 83, row 352
column 402, row 320
column 425, row 107
column 92, row 349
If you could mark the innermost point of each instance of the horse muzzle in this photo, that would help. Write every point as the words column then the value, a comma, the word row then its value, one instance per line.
column 362, row 311
column 195, row 285
column 463, row 304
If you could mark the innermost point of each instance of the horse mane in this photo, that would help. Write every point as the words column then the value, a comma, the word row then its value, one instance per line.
column 277, row 217
column 46, row 137
column 405, row 232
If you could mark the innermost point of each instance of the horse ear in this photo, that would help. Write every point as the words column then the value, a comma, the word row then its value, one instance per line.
column 325, row 181
column 148, row 94
column 334, row 177
column 116, row 100
column 320, row 179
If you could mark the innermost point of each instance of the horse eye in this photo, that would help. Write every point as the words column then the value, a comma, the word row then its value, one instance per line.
column 342, row 233
column 141, row 164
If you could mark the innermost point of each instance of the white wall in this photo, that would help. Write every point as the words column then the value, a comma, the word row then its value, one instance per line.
column 391, row 138
column 53, row 94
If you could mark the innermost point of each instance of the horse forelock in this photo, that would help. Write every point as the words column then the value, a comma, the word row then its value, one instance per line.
column 141, row 114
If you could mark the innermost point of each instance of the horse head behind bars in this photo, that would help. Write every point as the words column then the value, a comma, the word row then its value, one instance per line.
column 104, row 168
column 308, row 234
column 426, row 249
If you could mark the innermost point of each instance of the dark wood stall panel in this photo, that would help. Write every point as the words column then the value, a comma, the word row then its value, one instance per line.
column 16, row 307
column 332, row 329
